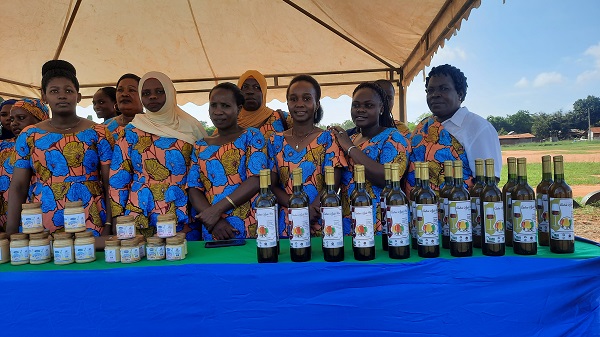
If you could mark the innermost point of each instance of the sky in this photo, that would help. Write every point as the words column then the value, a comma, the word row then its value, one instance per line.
column 534, row 55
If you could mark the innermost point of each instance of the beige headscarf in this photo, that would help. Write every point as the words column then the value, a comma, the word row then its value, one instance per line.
column 170, row 120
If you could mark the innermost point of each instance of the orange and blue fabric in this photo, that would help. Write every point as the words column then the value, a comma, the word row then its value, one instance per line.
column 66, row 168
column 389, row 146
column 432, row 143
column 284, row 158
column 148, row 175
column 218, row 170
column 114, row 127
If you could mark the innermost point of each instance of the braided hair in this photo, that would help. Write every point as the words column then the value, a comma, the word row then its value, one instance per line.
column 58, row 68
column 317, row 86
column 385, row 118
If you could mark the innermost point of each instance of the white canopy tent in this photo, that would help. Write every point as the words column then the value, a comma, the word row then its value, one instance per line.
column 199, row 43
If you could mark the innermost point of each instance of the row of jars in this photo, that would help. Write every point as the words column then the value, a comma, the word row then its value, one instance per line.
column 38, row 248
column 74, row 215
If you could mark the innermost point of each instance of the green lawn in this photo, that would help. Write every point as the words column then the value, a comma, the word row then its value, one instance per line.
column 575, row 174
column 571, row 146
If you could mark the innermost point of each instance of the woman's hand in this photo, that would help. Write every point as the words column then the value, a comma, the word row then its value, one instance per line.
column 224, row 231
column 209, row 217
column 341, row 137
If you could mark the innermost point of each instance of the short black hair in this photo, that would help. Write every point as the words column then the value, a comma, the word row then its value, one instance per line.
column 316, row 85
column 457, row 76
column 237, row 92
column 129, row 75
column 58, row 68
column 385, row 119
column 111, row 92
column 383, row 82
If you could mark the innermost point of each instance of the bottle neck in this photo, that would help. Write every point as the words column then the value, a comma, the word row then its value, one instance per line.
column 490, row 181
column 512, row 177
column 297, row 189
column 448, row 180
column 264, row 190
column 330, row 189
column 559, row 173
column 522, row 180
column 388, row 183
column 396, row 185
column 360, row 186
column 546, row 176
column 458, row 182
column 559, row 177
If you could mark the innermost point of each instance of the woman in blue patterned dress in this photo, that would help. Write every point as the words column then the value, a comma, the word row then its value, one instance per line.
column 149, row 168
column 223, row 179
column 68, row 157
column 128, row 104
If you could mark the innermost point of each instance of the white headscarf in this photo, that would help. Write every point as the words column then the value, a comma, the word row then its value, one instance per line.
column 170, row 121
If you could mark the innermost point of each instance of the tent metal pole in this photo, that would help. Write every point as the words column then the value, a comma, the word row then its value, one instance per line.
column 65, row 34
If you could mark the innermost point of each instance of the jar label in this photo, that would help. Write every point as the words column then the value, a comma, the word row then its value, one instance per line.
column 63, row 254
column 561, row 219
column 494, row 222
column 110, row 255
column 384, row 215
column 398, row 226
column 74, row 221
column 300, row 224
column 476, row 215
column 20, row 254
column 31, row 221
column 125, row 231
column 130, row 254
column 459, row 219
column 524, row 221
column 155, row 253
column 174, row 253
column 266, row 219
column 333, row 228
column 542, row 213
column 427, row 225
column 165, row 229
column 39, row 253
column 84, row 252
column 142, row 249
column 363, row 228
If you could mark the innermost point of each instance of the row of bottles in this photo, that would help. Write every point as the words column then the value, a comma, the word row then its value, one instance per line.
column 481, row 217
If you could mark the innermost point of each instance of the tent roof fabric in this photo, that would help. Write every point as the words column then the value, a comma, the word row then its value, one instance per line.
column 199, row 43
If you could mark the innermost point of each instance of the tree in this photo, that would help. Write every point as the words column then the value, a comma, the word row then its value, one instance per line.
column 209, row 129
column 578, row 118
column 542, row 125
column 520, row 122
column 499, row 123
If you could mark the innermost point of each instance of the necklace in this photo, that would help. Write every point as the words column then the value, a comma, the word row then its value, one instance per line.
column 66, row 129
column 303, row 138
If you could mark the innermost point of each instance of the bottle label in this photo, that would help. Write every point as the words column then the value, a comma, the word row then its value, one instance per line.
column 333, row 229
column 165, row 229
column 363, row 229
column 74, row 221
column 542, row 212
column 524, row 221
column 384, row 216
column 494, row 222
column 508, row 218
column 476, row 215
column 125, row 232
column 460, row 221
column 277, row 221
column 155, row 253
column 266, row 219
column 427, row 225
column 63, row 254
column 398, row 226
column 31, row 221
column 84, row 252
column 300, row 224
column 20, row 254
column 561, row 219
column 444, row 220
column 39, row 253
column 174, row 253
column 110, row 254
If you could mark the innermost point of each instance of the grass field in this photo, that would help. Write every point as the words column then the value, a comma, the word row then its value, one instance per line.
column 564, row 145
column 582, row 173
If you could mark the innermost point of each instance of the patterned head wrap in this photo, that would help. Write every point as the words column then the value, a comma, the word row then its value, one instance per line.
column 34, row 106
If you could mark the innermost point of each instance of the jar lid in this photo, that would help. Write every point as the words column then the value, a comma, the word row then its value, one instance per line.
column 175, row 240
column 85, row 234
column 156, row 240
column 3, row 236
column 166, row 217
column 32, row 205
column 73, row 204
column 63, row 236
column 129, row 243
column 112, row 243
column 18, row 236
column 36, row 236
column 125, row 219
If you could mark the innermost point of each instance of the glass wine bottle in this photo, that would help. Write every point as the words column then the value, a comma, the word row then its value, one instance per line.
column 427, row 223
column 459, row 219
column 363, row 232
column 507, row 199
column 524, row 214
column 397, row 221
column 560, row 203
column 331, row 216
column 491, row 205
column 541, row 192
column 412, row 205
column 387, row 168
column 266, row 217
column 298, row 218
column 444, row 193
column 475, row 192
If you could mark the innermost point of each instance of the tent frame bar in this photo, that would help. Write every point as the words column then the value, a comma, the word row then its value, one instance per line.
column 65, row 34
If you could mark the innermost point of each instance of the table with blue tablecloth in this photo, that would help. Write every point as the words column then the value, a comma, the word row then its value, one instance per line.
column 223, row 291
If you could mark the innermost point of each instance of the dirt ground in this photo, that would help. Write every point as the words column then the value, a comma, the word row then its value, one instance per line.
column 587, row 219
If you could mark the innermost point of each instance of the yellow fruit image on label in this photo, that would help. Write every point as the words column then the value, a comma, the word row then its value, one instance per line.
column 429, row 228
column 527, row 225
column 463, row 225
column 565, row 223
column 499, row 226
